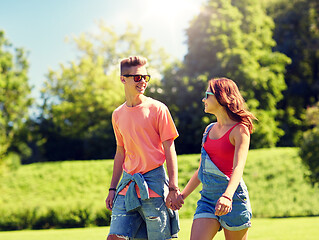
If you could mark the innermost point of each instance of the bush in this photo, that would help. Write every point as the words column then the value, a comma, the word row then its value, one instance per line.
column 309, row 153
column 309, row 147
column 49, row 217
column 45, row 219
column 16, row 219
column 103, row 217
column 9, row 162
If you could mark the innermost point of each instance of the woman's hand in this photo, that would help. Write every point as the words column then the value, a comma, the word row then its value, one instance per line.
column 223, row 206
column 174, row 200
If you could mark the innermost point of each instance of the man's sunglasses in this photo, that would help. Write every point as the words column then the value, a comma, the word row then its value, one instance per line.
column 208, row 93
column 138, row 78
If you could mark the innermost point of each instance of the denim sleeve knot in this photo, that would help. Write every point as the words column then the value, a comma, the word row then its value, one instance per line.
column 156, row 180
column 131, row 200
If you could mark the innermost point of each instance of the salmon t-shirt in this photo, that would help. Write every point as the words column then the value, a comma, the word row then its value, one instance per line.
column 141, row 131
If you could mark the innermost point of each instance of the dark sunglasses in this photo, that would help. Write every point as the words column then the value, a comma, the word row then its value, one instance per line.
column 138, row 78
column 208, row 93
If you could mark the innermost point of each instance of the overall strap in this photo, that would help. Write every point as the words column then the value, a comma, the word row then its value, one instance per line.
column 206, row 132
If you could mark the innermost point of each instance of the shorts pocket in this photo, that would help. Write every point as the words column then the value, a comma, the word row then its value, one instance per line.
column 119, row 203
column 242, row 196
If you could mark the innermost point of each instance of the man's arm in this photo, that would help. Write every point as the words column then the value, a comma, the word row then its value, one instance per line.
column 117, row 173
column 172, row 170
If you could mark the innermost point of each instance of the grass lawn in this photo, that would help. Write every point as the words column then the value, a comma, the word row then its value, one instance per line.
column 71, row 193
column 262, row 229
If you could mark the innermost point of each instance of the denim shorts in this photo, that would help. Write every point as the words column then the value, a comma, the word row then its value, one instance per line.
column 214, row 185
column 150, row 221
column 238, row 219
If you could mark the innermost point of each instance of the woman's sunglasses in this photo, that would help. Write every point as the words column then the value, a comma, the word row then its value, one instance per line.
column 208, row 93
column 138, row 78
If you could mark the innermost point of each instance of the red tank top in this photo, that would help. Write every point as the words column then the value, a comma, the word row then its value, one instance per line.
column 221, row 152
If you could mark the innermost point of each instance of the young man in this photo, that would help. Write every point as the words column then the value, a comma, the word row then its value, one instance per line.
column 145, row 134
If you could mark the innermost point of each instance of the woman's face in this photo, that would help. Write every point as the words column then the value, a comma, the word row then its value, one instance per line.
column 210, row 102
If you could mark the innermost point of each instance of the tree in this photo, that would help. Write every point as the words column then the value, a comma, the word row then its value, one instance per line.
column 234, row 39
column 297, row 36
column 180, row 93
column 14, row 96
column 80, row 97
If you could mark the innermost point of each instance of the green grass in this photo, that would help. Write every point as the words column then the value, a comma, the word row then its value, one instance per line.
column 262, row 229
column 72, row 193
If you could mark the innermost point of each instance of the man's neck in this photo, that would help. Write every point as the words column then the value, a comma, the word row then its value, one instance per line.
column 132, row 101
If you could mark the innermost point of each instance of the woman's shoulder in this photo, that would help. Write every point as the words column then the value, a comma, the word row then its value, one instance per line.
column 209, row 126
column 241, row 129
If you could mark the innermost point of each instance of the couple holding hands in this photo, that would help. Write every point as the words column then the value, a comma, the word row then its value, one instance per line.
column 144, row 203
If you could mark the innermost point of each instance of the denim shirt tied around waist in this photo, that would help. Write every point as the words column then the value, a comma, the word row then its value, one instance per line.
column 156, row 180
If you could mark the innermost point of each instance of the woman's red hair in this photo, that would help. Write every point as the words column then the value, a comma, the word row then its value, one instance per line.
column 228, row 95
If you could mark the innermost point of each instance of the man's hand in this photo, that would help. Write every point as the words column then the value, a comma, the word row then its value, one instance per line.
column 174, row 200
column 109, row 200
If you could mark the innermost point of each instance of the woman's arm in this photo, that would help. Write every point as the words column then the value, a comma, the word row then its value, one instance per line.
column 191, row 185
column 241, row 138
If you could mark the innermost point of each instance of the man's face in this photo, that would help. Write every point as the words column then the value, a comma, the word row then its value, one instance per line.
column 130, row 84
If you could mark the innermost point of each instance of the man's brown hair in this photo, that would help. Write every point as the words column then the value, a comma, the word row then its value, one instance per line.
column 127, row 63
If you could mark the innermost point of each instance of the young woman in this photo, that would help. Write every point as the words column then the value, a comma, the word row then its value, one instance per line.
column 224, row 202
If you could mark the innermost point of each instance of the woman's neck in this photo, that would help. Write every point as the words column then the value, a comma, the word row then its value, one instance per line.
column 223, row 119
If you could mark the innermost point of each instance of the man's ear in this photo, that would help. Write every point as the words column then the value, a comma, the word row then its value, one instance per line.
column 122, row 79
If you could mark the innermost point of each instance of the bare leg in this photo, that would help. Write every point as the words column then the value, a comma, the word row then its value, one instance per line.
column 116, row 237
column 204, row 228
column 236, row 235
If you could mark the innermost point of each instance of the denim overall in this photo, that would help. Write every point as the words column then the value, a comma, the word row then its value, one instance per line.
column 214, row 184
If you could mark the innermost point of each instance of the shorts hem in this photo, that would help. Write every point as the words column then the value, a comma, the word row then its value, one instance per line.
column 222, row 222
column 205, row 215
column 128, row 237
column 237, row 228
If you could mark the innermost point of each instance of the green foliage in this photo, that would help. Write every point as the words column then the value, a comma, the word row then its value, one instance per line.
column 80, row 97
column 44, row 218
column 309, row 147
column 297, row 36
column 183, row 96
column 234, row 39
column 72, row 193
column 14, row 96
column 309, row 152
column 11, row 161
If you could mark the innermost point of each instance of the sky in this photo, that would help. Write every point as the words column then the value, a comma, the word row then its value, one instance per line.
column 42, row 26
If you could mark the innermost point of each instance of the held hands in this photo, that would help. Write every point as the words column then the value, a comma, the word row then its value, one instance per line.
column 223, row 205
column 174, row 199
